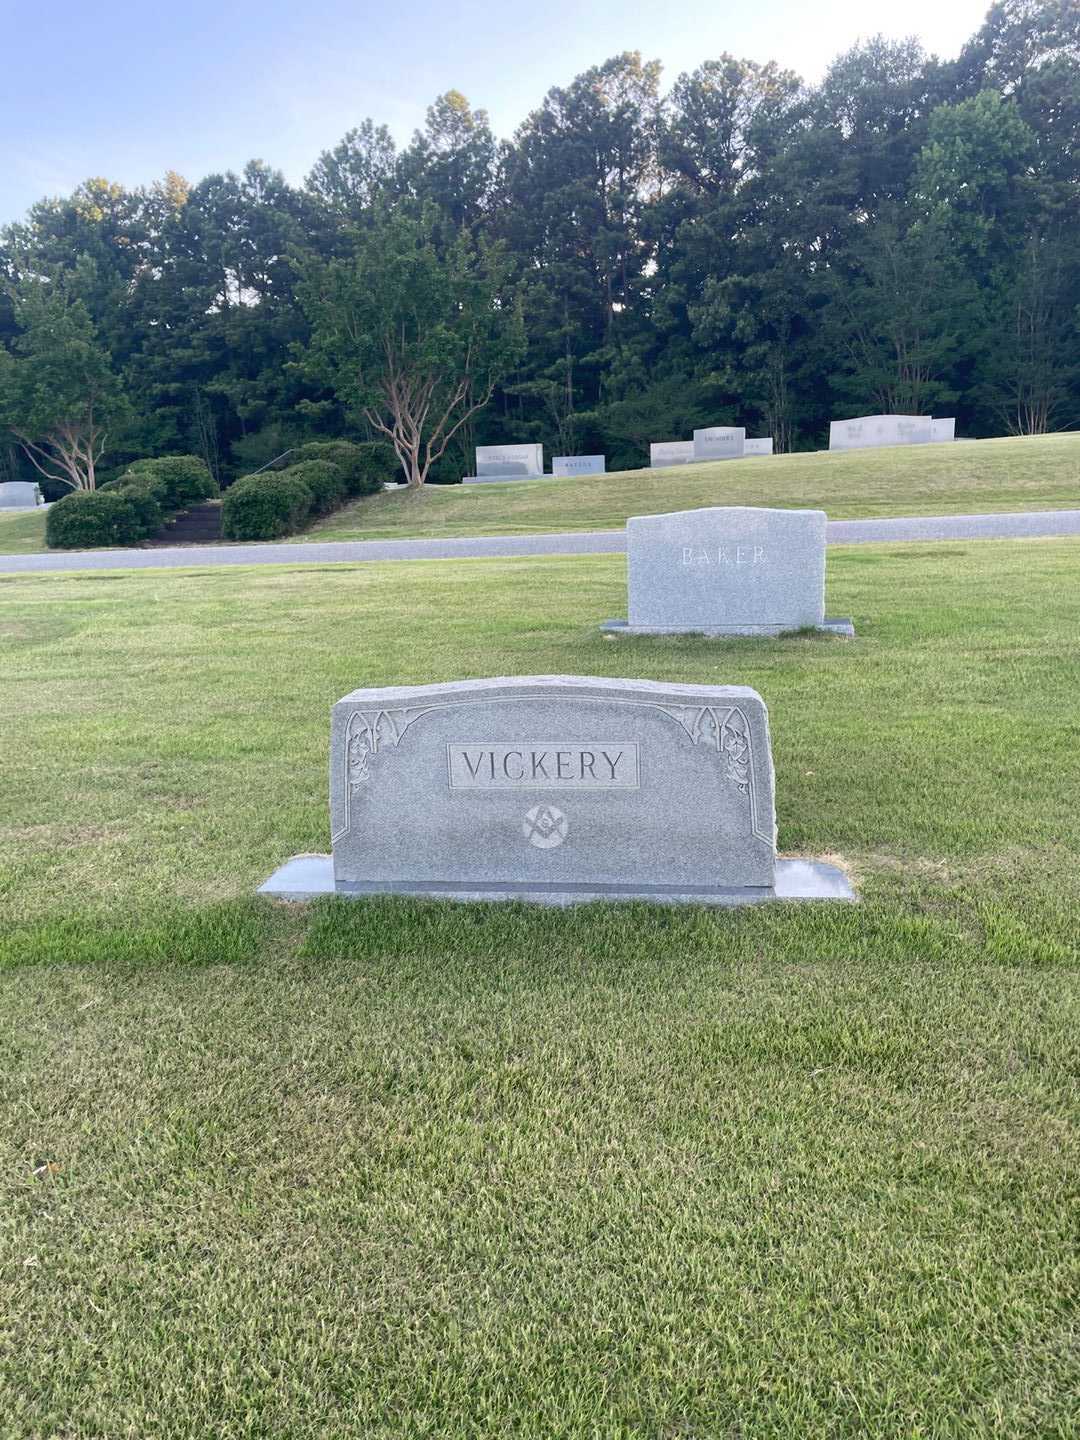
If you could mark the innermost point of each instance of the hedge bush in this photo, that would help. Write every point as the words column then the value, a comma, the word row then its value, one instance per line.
column 266, row 506
column 185, row 477
column 145, row 491
column 324, row 480
column 88, row 518
column 364, row 468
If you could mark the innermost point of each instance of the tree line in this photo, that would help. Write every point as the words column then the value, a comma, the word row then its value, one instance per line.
column 742, row 248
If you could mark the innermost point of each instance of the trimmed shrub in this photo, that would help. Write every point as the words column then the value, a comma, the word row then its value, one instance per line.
column 364, row 468
column 324, row 480
column 89, row 518
column 263, row 507
column 185, row 478
column 145, row 491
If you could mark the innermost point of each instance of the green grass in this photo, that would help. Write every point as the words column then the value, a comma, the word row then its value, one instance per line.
column 392, row 1168
column 967, row 476
column 975, row 476
column 22, row 532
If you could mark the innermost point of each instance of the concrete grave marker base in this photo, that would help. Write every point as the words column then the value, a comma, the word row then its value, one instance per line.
column 310, row 877
column 715, row 632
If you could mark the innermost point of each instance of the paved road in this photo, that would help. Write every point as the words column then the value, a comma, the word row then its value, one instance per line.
column 595, row 542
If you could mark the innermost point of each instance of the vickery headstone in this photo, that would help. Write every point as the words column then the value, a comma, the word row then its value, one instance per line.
column 507, row 462
column 758, row 447
column 726, row 570
column 670, row 452
column 578, row 465
column 719, row 442
column 554, row 788
column 18, row 495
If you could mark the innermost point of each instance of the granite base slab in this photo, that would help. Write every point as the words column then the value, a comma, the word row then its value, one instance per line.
column 623, row 627
column 308, row 877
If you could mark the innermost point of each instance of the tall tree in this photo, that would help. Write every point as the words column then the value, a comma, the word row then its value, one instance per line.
column 412, row 338
column 59, row 396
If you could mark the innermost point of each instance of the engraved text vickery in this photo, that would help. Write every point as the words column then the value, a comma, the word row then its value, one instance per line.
column 543, row 765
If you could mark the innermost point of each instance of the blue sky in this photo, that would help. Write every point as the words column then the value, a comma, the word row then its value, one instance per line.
column 115, row 89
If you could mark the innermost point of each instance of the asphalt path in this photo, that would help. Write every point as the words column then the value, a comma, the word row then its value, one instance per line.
column 1027, row 525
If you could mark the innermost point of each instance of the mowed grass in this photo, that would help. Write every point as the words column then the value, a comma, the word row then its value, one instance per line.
column 972, row 476
column 22, row 532
column 1034, row 473
column 394, row 1168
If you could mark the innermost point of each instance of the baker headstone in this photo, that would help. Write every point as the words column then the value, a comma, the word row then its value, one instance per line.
column 507, row 462
column 555, row 789
column 758, row 447
column 578, row 465
column 670, row 452
column 726, row 570
column 719, row 442
column 18, row 495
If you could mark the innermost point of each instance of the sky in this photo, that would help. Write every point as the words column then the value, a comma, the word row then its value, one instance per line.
column 112, row 89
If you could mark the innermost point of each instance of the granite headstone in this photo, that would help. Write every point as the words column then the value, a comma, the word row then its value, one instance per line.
column 578, row 465
column 554, row 789
column 507, row 462
column 18, row 495
column 758, row 447
column 719, row 442
column 670, row 452
column 941, row 430
column 726, row 570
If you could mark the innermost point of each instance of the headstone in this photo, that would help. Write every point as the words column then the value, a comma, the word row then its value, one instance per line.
column 507, row 462
column 758, row 447
column 578, row 465
column 719, row 442
column 18, row 495
column 870, row 431
column 943, row 429
column 670, row 452
column 726, row 570
column 555, row 789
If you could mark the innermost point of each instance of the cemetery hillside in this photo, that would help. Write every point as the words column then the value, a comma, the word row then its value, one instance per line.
column 540, row 726
column 1007, row 475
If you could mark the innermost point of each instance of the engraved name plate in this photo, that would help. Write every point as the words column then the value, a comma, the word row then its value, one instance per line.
column 547, row 765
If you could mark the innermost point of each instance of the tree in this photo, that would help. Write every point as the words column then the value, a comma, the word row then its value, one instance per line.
column 58, row 394
column 412, row 339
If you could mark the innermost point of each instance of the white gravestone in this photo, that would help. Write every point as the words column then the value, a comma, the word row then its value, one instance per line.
column 670, row 452
column 18, row 495
column 758, row 447
column 507, row 462
column 719, row 442
column 872, row 431
column 578, row 465
column 943, row 429
column 554, row 789
column 726, row 570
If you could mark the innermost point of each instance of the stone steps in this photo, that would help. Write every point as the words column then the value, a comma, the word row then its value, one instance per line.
column 201, row 525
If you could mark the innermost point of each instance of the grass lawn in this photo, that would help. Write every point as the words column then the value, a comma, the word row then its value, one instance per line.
column 22, row 532
column 973, row 476
column 394, row 1168
column 963, row 477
